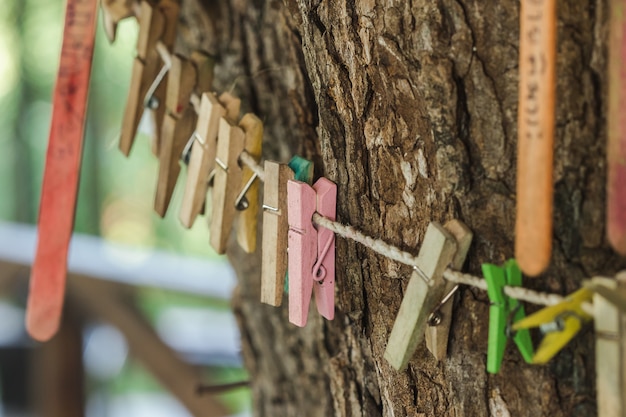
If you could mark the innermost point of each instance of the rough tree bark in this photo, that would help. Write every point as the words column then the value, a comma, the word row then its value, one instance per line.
column 410, row 107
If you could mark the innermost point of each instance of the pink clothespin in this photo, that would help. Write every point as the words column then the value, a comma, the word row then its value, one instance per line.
column 311, row 249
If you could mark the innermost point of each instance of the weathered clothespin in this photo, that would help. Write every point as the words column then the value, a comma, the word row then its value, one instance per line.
column 439, row 323
column 185, row 77
column 157, row 27
column 610, row 328
column 275, row 229
column 423, row 293
column 560, row 323
column 535, row 139
column 503, row 309
column 228, row 174
column 248, row 200
column 203, row 151
column 311, row 249
column 112, row 12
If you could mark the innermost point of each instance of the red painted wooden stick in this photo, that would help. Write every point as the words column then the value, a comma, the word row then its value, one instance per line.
column 60, row 181
column 616, row 149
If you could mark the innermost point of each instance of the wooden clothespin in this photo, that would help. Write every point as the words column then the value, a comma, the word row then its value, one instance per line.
column 274, row 277
column 616, row 146
column 610, row 328
column 249, row 198
column 157, row 27
column 112, row 12
column 425, row 290
column 504, row 308
column 203, row 151
column 311, row 249
column 228, row 174
column 439, row 323
column 535, row 139
column 560, row 323
column 60, row 178
column 275, row 229
column 186, row 76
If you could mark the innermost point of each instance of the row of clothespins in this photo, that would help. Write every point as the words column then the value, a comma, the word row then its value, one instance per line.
column 176, row 90
column 225, row 153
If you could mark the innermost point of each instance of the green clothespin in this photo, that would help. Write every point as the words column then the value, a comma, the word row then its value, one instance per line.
column 303, row 171
column 504, row 311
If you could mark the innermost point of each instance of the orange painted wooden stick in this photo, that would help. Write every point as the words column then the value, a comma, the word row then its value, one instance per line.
column 537, row 65
column 60, row 181
column 616, row 149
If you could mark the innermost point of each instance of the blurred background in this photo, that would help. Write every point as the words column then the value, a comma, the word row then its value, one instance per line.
column 174, row 281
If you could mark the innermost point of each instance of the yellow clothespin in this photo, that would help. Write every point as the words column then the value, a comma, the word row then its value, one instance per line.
column 186, row 76
column 201, row 160
column 157, row 27
column 560, row 323
column 112, row 12
column 248, row 202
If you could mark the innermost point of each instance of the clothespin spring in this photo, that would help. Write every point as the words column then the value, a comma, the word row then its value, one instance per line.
column 150, row 101
column 241, row 203
column 435, row 317
column 319, row 272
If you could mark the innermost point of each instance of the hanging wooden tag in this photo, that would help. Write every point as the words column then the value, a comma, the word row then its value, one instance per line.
column 60, row 181
column 535, row 139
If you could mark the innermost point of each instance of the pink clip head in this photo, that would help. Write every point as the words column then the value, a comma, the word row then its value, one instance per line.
column 311, row 251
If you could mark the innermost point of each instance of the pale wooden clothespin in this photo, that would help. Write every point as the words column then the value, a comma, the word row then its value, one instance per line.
column 228, row 175
column 112, row 12
column 157, row 27
column 203, row 151
column 425, row 290
column 610, row 328
column 186, row 76
column 438, row 329
column 275, row 228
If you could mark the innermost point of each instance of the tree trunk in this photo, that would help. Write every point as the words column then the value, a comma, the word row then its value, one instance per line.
column 410, row 107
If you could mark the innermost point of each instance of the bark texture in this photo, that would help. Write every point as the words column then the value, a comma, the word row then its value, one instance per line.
column 410, row 107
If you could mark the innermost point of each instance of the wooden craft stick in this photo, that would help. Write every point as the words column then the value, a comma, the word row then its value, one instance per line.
column 247, row 227
column 537, row 67
column 228, row 174
column 156, row 24
column 425, row 290
column 60, row 181
column 437, row 335
column 616, row 148
column 610, row 327
column 275, row 229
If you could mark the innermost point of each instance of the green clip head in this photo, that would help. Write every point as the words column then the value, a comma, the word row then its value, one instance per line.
column 303, row 172
column 302, row 169
column 504, row 310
